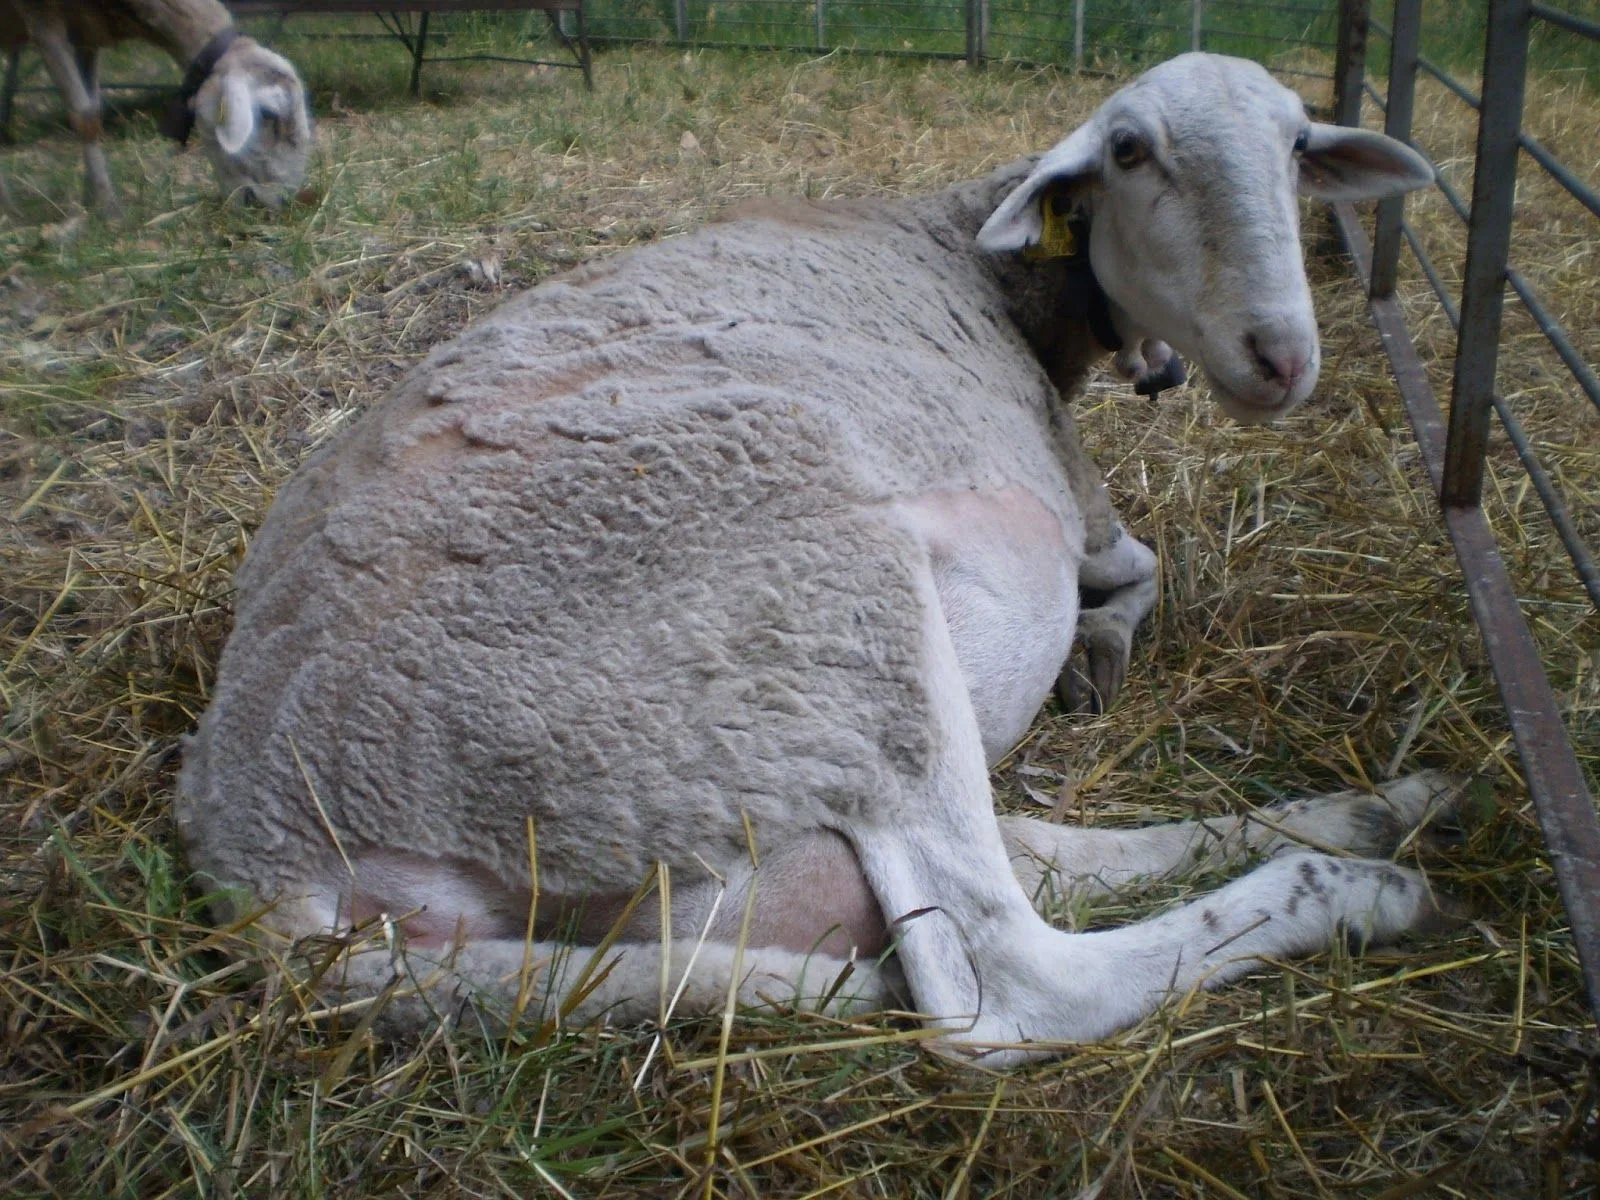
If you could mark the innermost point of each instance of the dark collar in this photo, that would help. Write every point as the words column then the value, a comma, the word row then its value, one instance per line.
column 1085, row 296
column 179, row 118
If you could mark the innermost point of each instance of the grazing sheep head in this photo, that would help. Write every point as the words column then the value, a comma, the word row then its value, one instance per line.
column 1188, row 177
column 254, row 124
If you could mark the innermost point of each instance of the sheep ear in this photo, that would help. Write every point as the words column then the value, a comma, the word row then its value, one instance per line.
column 1359, row 164
column 1017, row 224
column 236, row 113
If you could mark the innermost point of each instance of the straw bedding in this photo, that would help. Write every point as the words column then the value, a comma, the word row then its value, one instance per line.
column 162, row 377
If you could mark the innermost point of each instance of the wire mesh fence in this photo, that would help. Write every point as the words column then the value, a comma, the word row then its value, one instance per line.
column 1085, row 33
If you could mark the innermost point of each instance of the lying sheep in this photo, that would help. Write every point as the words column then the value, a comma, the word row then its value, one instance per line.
column 738, row 558
column 247, row 102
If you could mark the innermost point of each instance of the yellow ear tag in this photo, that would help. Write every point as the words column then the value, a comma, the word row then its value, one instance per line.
column 1056, row 239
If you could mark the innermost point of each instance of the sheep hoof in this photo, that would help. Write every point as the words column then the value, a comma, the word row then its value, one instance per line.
column 1098, row 667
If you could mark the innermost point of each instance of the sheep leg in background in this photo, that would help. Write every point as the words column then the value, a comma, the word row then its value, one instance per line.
column 89, row 71
column 1060, row 860
column 1126, row 571
column 49, row 34
column 8, row 92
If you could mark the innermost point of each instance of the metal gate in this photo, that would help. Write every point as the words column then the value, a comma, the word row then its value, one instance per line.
column 1454, row 445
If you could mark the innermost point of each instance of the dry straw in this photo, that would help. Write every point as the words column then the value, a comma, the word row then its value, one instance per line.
column 164, row 374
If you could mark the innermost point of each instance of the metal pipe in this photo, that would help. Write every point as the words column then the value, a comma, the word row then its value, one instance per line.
column 1494, row 184
column 1554, row 508
column 1579, row 25
column 1579, row 191
column 1451, row 312
column 1403, row 49
column 1196, row 20
column 1556, row 336
column 1077, row 36
column 1350, row 61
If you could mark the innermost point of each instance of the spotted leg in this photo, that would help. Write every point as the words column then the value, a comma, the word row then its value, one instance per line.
column 1057, row 860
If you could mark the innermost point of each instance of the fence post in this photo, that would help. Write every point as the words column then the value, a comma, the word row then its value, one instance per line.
column 822, row 27
column 1494, row 189
column 1403, row 49
column 1077, row 35
column 1194, row 25
column 681, row 14
column 975, row 32
column 1350, row 61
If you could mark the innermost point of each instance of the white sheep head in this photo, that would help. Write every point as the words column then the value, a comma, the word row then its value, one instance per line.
column 254, row 124
column 1189, row 177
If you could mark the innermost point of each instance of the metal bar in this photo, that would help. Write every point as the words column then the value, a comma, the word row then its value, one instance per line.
column 1350, row 61
column 1432, row 272
column 1449, row 80
column 626, row 39
column 585, row 59
column 822, row 25
column 1577, row 24
column 1375, row 96
column 974, row 33
column 1556, row 336
column 1196, row 19
column 680, row 19
column 1577, row 549
column 1077, row 35
column 8, row 91
column 1565, row 808
column 1583, row 194
column 1297, row 9
column 1270, row 37
column 416, row 56
column 1403, row 49
column 1494, row 185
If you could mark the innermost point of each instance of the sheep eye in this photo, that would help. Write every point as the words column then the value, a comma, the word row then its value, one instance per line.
column 1302, row 141
column 1128, row 150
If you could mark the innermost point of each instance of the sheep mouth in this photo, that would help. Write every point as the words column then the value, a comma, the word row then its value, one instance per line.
column 1257, row 403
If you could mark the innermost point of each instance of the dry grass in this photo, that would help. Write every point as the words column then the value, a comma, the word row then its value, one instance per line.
column 163, row 375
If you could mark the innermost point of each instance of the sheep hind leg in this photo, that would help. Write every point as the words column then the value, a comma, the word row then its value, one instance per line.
column 1057, row 860
column 509, row 981
column 1124, row 573
column 993, row 977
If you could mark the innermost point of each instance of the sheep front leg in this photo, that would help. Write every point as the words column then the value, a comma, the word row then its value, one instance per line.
column 49, row 34
column 1125, row 572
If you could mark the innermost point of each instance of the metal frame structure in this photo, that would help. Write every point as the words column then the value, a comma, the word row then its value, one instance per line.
column 1454, row 446
column 395, row 18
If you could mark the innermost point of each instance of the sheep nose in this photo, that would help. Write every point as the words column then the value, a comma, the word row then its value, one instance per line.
column 1283, row 358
